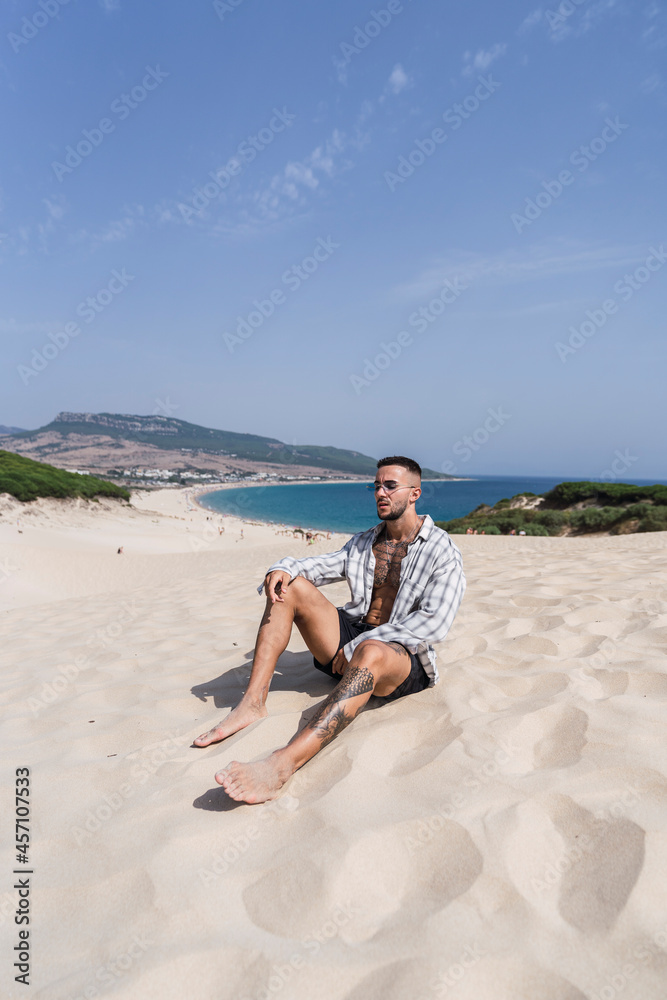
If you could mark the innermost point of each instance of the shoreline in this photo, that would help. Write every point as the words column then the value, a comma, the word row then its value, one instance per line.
column 204, row 490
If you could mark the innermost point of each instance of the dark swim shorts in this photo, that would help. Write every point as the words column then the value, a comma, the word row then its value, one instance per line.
column 350, row 628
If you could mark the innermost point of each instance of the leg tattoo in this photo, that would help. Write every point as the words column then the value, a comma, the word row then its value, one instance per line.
column 331, row 717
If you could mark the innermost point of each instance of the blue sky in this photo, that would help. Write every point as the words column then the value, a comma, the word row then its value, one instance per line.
column 264, row 200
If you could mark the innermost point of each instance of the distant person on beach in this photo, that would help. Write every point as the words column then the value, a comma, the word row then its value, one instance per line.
column 378, row 644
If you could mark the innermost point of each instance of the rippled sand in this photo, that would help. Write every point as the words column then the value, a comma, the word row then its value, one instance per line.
column 499, row 837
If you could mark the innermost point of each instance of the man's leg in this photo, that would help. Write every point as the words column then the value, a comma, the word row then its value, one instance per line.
column 375, row 668
column 317, row 620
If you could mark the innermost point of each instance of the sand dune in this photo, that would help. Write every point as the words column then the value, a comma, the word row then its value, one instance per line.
column 498, row 837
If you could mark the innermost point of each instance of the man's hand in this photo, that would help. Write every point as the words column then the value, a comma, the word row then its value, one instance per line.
column 339, row 664
column 275, row 584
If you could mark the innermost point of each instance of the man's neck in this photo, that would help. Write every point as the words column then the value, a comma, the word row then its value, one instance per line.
column 404, row 527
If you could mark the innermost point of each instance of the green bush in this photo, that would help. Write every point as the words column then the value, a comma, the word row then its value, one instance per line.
column 611, row 506
column 596, row 518
column 489, row 529
column 26, row 480
column 553, row 520
column 654, row 520
column 612, row 494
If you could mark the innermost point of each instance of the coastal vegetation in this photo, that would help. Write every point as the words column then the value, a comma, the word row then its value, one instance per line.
column 26, row 479
column 577, row 508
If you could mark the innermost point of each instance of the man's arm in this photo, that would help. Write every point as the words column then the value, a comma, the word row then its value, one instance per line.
column 432, row 620
column 319, row 570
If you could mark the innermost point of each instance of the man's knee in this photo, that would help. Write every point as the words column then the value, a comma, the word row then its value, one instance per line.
column 372, row 653
column 300, row 593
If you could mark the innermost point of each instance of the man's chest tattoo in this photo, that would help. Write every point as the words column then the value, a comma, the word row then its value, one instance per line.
column 388, row 559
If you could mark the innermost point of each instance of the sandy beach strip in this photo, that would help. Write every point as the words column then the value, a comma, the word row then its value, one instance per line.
column 498, row 837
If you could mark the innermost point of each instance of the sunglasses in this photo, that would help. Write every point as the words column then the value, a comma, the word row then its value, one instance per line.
column 388, row 487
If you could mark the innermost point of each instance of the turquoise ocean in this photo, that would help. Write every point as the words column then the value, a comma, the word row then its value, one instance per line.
column 350, row 507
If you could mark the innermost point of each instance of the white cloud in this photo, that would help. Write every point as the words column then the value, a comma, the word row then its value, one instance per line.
column 286, row 195
column 652, row 84
column 578, row 21
column 113, row 231
column 340, row 66
column 482, row 59
column 56, row 208
column 530, row 21
column 398, row 80
column 288, row 189
column 655, row 35
column 510, row 266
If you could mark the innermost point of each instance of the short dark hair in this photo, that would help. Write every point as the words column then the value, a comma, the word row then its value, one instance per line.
column 406, row 463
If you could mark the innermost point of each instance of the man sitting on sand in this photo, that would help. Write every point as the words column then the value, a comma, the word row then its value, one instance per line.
column 406, row 582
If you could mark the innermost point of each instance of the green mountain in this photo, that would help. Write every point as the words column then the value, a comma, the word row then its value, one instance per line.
column 577, row 508
column 26, row 479
column 169, row 433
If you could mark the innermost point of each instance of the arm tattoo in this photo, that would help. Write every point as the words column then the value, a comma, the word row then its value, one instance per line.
column 330, row 718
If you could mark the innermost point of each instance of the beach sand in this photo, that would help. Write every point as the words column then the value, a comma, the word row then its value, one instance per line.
column 501, row 836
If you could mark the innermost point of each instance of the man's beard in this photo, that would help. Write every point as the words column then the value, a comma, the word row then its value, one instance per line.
column 393, row 513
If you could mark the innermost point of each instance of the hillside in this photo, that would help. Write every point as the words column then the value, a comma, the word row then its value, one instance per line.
column 26, row 479
column 100, row 440
column 578, row 508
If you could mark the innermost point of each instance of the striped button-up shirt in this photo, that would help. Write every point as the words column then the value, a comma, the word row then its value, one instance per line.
column 430, row 589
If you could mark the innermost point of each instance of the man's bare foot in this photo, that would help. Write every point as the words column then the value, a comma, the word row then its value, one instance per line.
column 256, row 782
column 240, row 717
